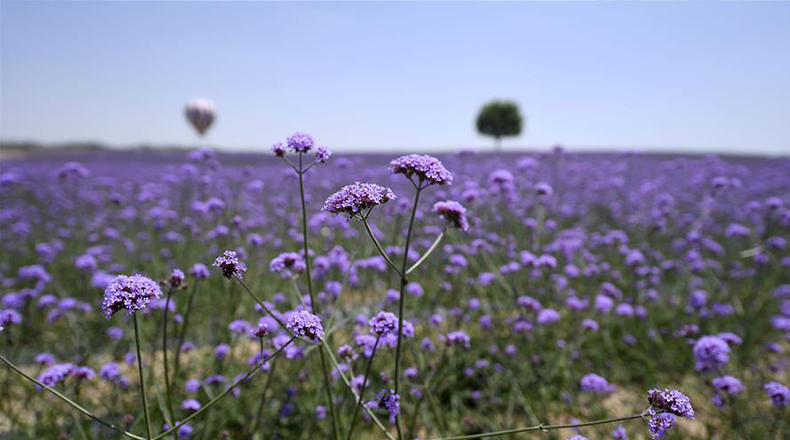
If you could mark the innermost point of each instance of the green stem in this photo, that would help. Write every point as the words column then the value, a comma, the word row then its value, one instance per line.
column 70, row 402
column 403, row 283
column 427, row 253
column 252, row 370
column 142, row 381
column 182, row 333
column 327, row 383
column 362, row 390
column 164, row 359
column 542, row 427
column 378, row 246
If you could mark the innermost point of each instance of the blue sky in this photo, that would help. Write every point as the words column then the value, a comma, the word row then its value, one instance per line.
column 407, row 76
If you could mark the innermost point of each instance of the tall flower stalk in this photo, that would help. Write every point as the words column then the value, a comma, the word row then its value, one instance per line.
column 301, row 144
column 142, row 380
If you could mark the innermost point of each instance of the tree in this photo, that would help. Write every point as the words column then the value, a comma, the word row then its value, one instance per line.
column 499, row 119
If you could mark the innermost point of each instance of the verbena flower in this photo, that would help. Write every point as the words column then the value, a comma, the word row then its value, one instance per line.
column 711, row 353
column 383, row 323
column 578, row 437
column 357, row 197
column 426, row 168
column 659, row 423
column 671, row 401
column 300, row 142
column 389, row 401
column 199, row 271
column 230, row 264
column 190, row 405
column 176, row 278
column 278, row 149
column 130, row 293
column 322, row 154
column 55, row 374
column 304, row 323
column 288, row 261
column 595, row 384
column 727, row 384
column 457, row 338
column 779, row 394
column 453, row 213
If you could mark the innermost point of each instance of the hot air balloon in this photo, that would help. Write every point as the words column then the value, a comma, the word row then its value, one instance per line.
column 201, row 113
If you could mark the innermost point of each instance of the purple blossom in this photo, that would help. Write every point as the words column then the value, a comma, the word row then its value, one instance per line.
column 130, row 293
column 305, row 324
column 453, row 213
column 424, row 167
column 594, row 383
column 230, row 264
column 779, row 394
column 300, row 142
column 287, row 263
column 711, row 353
column 383, row 323
column 358, row 197
column 55, row 374
column 671, row 401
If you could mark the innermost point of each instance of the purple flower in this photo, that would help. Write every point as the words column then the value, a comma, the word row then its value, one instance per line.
column 619, row 433
column 287, row 262
column 230, row 264
column 176, row 278
column 55, row 374
column 548, row 316
column 389, row 401
column 659, row 423
column 383, row 323
column 322, row 154
column 671, row 401
column 453, row 213
column 130, row 293
column 779, row 394
column 44, row 359
column 727, row 384
column 239, row 326
column 578, row 437
column 300, row 142
column 278, row 149
column 190, row 405
column 357, row 197
column 304, row 323
column 10, row 317
column 458, row 338
column 199, row 271
column 711, row 352
column 426, row 168
column 260, row 331
column 594, row 383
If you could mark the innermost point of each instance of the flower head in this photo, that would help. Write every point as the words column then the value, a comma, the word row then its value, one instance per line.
column 287, row 261
column 300, row 142
column 278, row 149
column 595, row 384
column 452, row 212
column 131, row 293
column 426, row 168
column 671, row 401
column 176, row 278
column 304, row 323
column 230, row 265
column 322, row 154
column 389, row 401
column 659, row 423
column 55, row 374
column 779, row 394
column 357, row 197
column 383, row 323
column 711, row 352
column 457, row 338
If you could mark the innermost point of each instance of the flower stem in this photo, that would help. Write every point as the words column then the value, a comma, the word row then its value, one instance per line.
column 142, row 381
column 74, row 405
column 403, row 283
column 164, row 360
column 327, row 383
column 427, row 253
column 182, row 333
column 542, row 427
column 252, row 370
column 362, row 390
column 378, row 246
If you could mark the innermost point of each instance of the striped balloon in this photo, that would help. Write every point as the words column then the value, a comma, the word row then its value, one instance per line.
column 201, row 113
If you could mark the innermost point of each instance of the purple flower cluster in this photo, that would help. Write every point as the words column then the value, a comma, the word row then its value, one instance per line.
column 594, row 383
column 779, row 394
column 130, row 293
column 453, row 213
column 230, row 265
column 671, row 401
column 305, row 324
column 383, row 323
column 711, row 352
column 355, row 198
column 389, row 401
column 288, row 262
column 425, row 168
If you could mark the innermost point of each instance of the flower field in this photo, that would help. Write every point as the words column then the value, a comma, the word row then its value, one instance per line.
column 303, row 295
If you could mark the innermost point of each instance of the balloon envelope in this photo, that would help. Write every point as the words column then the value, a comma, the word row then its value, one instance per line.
column 200, row 112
